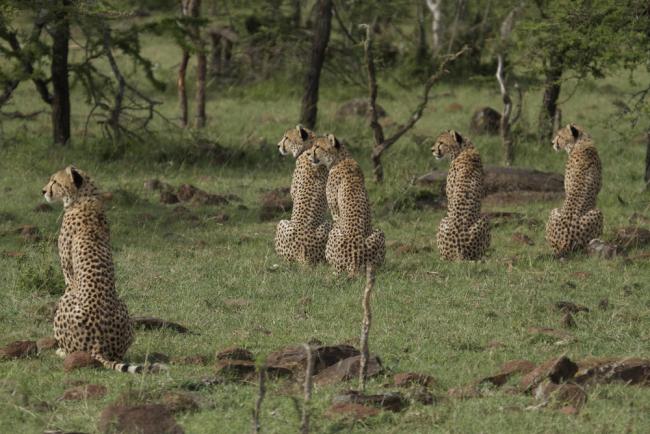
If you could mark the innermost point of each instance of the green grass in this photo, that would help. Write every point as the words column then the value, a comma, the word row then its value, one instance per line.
column 430, row 316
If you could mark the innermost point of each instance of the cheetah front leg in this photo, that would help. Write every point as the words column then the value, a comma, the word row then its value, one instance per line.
column 558, row 233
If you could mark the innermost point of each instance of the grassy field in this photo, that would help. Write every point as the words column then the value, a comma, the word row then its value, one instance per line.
column 221, row 279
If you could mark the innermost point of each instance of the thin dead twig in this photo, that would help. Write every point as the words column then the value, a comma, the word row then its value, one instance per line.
column 309, row 372
column 261, row 391
column 365, row 327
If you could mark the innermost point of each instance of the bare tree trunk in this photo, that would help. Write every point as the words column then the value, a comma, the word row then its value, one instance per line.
column 548, row 110
column 201, row 70
column 59, row 68
column 322, row 27
column 296, row 16
column 504, row 127
column 365, row 327
column 647, row 161
column 421, row 52
column 182, row 72
column 436, row 15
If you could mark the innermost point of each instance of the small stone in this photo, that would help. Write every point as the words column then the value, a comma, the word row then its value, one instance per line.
column 18, row 350
column 46, row 343
column 79, row 359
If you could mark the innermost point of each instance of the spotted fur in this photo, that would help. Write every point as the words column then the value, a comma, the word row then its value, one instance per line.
column 464, row 234
column 90, row 316
column 352, row 242
column 578, row 221
column 304, row 237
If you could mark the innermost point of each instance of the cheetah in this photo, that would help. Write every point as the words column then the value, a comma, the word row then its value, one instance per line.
column 578, row 221
column 90, row 316
column 304, row 237
column 352, row 243
column 463, row 234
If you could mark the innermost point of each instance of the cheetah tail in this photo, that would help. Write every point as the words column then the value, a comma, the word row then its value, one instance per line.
column 129, row 367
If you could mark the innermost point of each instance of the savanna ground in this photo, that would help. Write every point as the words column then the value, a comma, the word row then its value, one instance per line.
column 220, row 279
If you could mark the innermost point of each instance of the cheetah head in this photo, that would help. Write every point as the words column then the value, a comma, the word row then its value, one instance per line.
column 295, row 141
column 567, row 137
column 326, row 151
column 449, row 144
column 68, row 185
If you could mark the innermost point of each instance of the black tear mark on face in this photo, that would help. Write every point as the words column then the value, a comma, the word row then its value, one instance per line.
column 77, row 179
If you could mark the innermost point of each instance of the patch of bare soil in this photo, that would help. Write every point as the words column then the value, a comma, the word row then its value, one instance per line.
column 83, row 392
column 141, row 419
column 274, row 203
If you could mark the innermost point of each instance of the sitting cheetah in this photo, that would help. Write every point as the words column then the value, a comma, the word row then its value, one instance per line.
column 89, row 317
column 303, row 238
column 578, row 221
column 463, row 233
column 352, row 243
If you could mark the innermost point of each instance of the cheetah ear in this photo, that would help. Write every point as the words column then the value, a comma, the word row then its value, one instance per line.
column 75, row 176
column 334, row 141
column 304, row 134
column 574, row 131
column 457, row 136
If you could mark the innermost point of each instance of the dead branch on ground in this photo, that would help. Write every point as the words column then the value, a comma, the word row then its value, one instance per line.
column 309, row 372
column 365, row 327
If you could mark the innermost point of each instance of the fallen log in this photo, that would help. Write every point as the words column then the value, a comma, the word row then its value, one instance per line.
column 503, row 179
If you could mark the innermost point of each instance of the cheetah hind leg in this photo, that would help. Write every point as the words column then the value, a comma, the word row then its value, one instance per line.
column 285, row 240
column 335, row 250
column 376, row 248
column 591, row 226
column 315, row 246
column 478, row 239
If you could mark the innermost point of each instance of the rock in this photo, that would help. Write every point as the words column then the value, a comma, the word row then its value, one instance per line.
column 603, row 250
column 141, row 419
column 246, row 370
column 86, row 391
column 168, row 198
column 570, row 307
column 29, row 233
column 79, row 359
column 196, row 359
column 522, row 239
column 406, row 379
column 358, row 107
column 190, row 193
column 274, row 203
column 557, row 370
column 353, row 411
column 561, row 395
column 151, row 323
column 235, row 353
column 295, row 358
column 485, row 120
column 157, row 358
column 179, row 402
column 393, row 401
column 600, row 370
column 347, row 369
column 46, row 343
column 18, row 350
column 43, row 207
column 568, row 321
column 632, row 237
